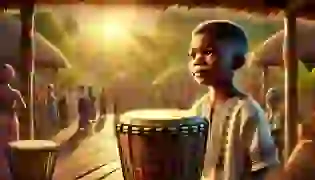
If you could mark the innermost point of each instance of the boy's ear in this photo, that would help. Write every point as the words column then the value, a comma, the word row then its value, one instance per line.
column 238, row 61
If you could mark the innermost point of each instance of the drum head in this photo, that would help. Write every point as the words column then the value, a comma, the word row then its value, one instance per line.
column 33, row 145
column 161, row 118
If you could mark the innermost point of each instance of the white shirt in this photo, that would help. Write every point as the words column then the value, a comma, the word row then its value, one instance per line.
column 248, row 129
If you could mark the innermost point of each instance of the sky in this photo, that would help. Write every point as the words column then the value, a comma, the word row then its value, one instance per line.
column 142, row 17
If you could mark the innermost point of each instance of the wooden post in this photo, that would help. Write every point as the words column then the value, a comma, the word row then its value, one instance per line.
column 291, row 73
column 26, row 68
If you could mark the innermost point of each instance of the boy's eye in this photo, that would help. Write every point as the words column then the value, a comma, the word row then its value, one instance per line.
column 207, row 52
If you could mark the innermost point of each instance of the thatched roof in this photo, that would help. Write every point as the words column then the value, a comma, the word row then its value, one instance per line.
column 46, row 55
column 270, row 52
column 265, row 6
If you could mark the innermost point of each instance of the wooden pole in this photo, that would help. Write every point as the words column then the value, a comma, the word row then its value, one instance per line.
column 27, row 67
column 291, row 73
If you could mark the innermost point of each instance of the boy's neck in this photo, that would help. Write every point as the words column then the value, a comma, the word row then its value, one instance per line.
column 220, row 94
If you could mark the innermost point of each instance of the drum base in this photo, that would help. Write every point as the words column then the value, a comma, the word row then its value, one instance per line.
column 162, row 156
column 32, row 163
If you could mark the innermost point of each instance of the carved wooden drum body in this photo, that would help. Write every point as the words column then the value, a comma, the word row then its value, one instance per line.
column 32, row 159
column 162, row 145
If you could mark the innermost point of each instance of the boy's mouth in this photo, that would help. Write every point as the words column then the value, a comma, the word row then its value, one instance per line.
column 201, row 70
column 199, row 74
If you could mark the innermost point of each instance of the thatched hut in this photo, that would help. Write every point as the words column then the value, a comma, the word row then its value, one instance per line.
column 48, row 59
column 269, row 58
column 269, row 55
column 270, row 52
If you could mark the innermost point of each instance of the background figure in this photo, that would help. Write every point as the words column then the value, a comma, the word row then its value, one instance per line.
column 11, row 101
column 63, row 111
column 83, row 109
column 52, row 109
column 102, row 108
column 92, row 103
column 275, row 118
column 103, row 103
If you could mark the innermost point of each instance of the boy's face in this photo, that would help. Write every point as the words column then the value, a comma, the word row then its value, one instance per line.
column 211, row 61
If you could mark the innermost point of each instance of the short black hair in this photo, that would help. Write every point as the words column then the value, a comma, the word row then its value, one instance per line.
column 224, row 30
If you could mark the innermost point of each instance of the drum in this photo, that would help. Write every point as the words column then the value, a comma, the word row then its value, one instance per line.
column 32, row 159
column 161, row 145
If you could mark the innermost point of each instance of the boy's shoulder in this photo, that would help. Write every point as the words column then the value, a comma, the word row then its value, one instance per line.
column 248, row 106
column 251, row 112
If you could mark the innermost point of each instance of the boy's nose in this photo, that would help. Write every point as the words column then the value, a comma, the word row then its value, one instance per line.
column 199, row 60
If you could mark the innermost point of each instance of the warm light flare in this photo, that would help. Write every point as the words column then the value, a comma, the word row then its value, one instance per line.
column 115, row 31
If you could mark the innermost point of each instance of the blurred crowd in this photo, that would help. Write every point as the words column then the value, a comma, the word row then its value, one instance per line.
column 57, row 109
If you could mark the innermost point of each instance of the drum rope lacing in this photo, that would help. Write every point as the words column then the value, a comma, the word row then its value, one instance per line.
column 183, row 129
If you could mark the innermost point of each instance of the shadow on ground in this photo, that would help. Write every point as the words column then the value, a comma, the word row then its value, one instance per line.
column 100, row 124
column 74, row 141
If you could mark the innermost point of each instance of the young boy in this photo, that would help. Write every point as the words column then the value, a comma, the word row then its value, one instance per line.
column 240, row 145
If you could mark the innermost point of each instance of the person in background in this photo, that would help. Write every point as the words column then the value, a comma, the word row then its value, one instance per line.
column 41, row 124
column 52, row 107
column 11, row 102
column 103, row 103
column 275, row 118
column 63, row 111
column 92, row 104
column 83, row 109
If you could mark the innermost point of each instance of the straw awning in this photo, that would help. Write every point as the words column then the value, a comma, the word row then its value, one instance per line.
column 46, row 54
column 270, row 52
column 264, row 6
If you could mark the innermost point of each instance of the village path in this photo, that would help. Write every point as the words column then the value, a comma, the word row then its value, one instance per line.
column 80, row 153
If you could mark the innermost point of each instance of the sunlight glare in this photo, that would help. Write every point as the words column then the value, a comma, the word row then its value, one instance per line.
column 115, row 31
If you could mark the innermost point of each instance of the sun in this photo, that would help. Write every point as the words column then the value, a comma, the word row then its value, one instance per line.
column 115, row 31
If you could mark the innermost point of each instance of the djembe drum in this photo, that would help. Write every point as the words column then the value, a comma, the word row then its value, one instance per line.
column 32, row 159
column 161, row 145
